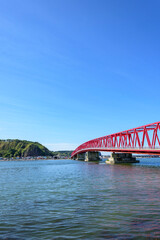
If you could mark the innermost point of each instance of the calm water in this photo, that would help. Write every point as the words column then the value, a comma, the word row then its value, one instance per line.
column 66, row 199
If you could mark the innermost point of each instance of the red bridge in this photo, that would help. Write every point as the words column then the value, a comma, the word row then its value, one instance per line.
column 141, row 140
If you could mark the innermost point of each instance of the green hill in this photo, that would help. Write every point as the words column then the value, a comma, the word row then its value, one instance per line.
column 22, row 148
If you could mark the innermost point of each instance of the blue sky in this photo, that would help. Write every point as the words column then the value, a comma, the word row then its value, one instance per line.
column 73, row 70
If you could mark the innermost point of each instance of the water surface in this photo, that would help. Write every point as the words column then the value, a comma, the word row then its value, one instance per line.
column 67, row 199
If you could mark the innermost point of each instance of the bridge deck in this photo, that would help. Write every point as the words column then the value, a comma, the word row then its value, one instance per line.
column 148, row 151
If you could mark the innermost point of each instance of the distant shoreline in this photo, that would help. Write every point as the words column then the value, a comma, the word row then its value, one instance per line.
column 30, row 159
column 16, row 149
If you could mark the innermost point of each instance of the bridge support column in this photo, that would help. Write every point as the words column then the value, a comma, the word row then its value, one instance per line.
column 80, row 156
column 118, row 158
column 92, row 156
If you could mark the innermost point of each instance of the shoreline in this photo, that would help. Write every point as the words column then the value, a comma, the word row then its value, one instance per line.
column 29, row 159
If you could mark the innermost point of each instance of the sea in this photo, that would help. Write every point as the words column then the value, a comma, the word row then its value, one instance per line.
column 67, row 199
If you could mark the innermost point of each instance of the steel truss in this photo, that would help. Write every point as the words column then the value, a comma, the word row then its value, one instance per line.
column 144, row 139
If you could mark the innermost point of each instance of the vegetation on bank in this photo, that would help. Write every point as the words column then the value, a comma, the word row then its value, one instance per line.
column 64, row 154
column 21, row 148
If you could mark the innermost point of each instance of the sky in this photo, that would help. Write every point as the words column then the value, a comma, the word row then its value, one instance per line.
column 74, row 70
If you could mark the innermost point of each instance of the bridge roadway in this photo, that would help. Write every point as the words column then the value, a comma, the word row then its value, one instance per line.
column 140, row 140
column 155, row 151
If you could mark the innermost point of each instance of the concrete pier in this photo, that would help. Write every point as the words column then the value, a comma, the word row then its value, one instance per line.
column 80, row 156
column 118, row 158
column 92, row 156
column 88, row 156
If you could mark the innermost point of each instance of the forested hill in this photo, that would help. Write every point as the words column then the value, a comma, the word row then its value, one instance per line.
column 22, row 148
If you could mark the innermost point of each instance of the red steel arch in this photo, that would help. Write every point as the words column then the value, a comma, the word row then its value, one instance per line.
column 142, row 140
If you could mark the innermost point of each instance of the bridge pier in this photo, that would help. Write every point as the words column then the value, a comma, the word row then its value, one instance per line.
column 92, row 156
column 80, row 156
column 75, row 157
column 87, row 156
column 118, row 158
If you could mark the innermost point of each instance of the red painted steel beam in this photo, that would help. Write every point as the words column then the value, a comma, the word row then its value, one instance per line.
column 142, row 140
